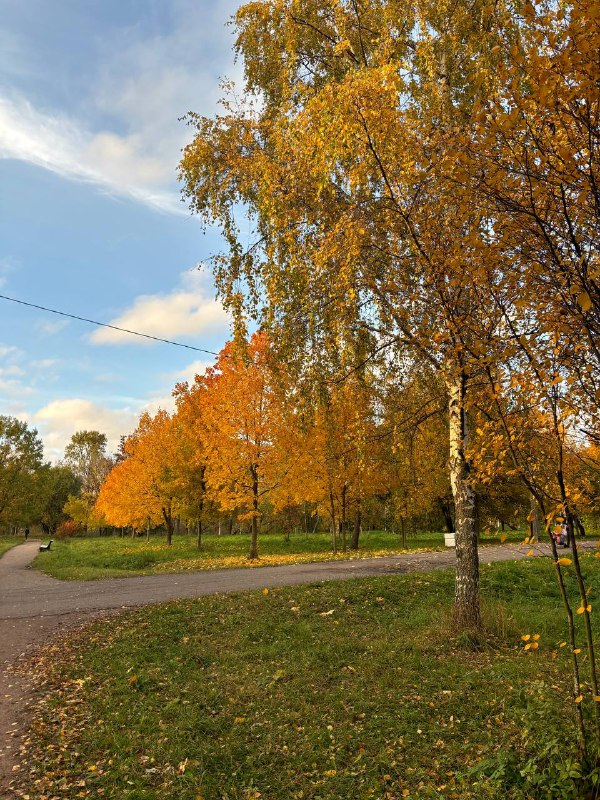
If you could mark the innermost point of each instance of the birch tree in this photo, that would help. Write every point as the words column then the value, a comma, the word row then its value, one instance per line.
column 344, row 164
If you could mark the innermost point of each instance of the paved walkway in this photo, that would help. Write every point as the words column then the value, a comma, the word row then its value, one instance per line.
column 34, row 606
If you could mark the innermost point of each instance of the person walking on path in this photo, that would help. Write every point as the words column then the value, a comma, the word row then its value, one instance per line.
column 26, row 534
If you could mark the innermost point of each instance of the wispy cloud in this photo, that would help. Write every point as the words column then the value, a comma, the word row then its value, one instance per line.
column 9, row 351
column 117, row 164
column 124, row 136
column 184, row 312
column 189, row 373
column 50, row 327
column 7, row 265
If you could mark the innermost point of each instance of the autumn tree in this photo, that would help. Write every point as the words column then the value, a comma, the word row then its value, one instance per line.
column 344, row 164
column 146, row 485
column 244, row 419
column 193, row 438
column 337, row 462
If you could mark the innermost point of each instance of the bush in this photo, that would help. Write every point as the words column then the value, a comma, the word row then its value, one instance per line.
column 67, row 529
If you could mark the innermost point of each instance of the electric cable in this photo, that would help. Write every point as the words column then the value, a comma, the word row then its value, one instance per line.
column 108, row 325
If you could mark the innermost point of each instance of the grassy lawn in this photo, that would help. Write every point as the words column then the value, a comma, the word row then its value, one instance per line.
column 351, row 691
column 6, row 542
column 112, row 557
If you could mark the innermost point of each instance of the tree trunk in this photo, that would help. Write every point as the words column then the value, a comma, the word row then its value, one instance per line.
column 534, row 520
column 201, row 506
column 357, row 524
column 466, row 596
column 447, row 514
column 169, row 523
column 253, row 554
column 343, row 517
column 332, row 512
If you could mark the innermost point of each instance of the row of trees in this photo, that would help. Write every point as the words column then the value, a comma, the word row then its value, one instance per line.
column 423, row 181
column 34, row 492
column 245, row 441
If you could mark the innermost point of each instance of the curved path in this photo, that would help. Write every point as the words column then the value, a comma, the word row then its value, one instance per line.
column 34, row 606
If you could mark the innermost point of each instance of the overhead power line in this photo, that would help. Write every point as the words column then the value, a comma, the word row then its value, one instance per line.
column 107, row 325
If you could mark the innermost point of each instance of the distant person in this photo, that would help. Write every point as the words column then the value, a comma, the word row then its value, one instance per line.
column 26, row 534
column 564, row 535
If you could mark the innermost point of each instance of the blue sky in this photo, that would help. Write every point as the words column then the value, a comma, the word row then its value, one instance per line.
column 90, row 217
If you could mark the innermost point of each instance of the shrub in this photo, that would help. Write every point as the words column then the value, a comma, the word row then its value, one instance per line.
column 67, row 529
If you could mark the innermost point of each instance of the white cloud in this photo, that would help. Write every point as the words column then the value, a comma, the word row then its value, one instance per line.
column 9, row 351
column 57, row 421
column 186, row 311
column 126, row 136
column 189, row 373
column 7, row 265
column 60, row 419
column 65, row 146
column 11, row 371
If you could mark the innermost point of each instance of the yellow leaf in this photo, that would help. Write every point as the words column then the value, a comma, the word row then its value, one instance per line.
column 584, row 301
column 526, row 637
column 133, row 679
column 239, row 720
column 580, row 610
column 529, row 553
column 597, row 555
column 536, row 636
column 265, row 591
column 588, row 608
column 405, row 792
column 526, row 540
column 533, row 645
column 579, row 698
column 597, row 698
column 564, row 562
column 503, row 538
column 562, row 644
column 577, row 650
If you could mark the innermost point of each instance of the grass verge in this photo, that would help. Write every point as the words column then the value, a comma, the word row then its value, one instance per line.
column 6, row 542
column 355, row 690
column 92, row 558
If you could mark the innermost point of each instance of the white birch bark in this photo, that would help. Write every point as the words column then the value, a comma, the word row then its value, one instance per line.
column 466, row 597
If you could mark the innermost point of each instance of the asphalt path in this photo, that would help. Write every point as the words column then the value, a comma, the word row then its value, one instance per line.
column 26, row 593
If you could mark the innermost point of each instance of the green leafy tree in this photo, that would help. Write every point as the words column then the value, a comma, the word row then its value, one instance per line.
column 86, row 456
column 53, row 487
column 21, row 456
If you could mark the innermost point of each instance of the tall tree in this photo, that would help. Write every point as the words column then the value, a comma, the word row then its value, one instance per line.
column 53, row 486
column 345, row 166
column 244, row 419
column 21, row 454
column 146, row 484
column 86, row 456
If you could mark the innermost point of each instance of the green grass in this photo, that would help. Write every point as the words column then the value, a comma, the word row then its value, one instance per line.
column 91, row 558
column 6, row 542
column 351, row 691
